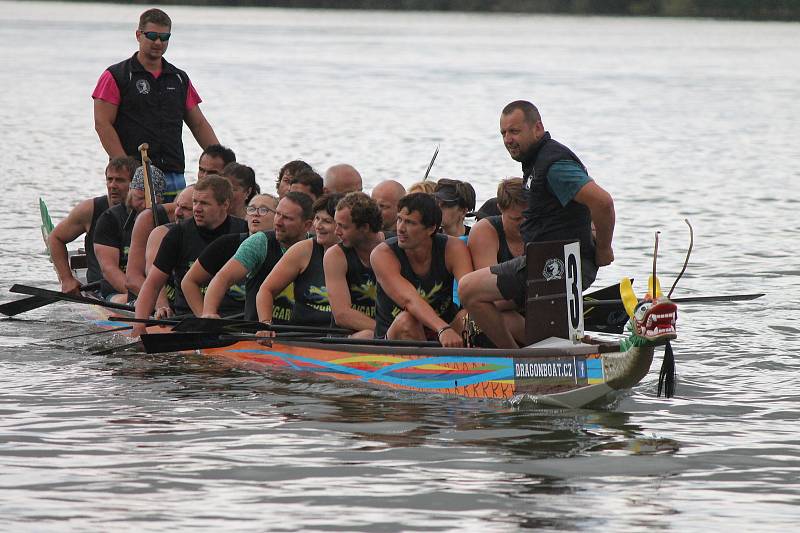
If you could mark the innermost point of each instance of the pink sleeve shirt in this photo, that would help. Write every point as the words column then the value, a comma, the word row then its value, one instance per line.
column 108, row 91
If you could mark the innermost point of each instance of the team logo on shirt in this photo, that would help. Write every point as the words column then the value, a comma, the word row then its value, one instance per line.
column 142, row 86
column 553, row 269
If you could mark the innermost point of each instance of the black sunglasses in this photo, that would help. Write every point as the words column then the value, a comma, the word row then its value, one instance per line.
column 153, row 35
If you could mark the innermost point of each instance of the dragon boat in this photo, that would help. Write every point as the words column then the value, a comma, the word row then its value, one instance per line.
column 560, row 366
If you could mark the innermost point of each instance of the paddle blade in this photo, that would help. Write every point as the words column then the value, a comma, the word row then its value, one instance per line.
column 179, row 342
column 25, row 304
column 607, row 318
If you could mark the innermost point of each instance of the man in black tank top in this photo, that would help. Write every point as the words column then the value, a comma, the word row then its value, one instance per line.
column 415, row 273
column 112, row 237
column 563, row 204
column 186, row 240
column 348, row 274
column 83, row 218
column 496, row 238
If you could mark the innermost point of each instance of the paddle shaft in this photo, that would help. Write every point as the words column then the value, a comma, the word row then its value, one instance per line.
column 430, row 165
column 175, row 342
column 219, row 325
column 55, row 295
column 688, row 299
column 149, row 193
column 34, row 302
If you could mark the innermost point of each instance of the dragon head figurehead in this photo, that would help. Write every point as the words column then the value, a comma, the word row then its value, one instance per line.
column 653, row 318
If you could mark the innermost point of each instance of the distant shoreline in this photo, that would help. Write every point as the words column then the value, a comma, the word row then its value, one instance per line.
column 774, row 10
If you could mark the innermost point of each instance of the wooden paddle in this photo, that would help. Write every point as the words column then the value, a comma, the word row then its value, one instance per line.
column 60, row 296
column 149, row 193
column 34, row 302
column 176, row 342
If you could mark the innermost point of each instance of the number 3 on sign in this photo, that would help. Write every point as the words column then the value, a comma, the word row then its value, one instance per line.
column 574, row 290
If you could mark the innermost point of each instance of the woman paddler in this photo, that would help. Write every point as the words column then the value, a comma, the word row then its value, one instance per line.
column 302, row 264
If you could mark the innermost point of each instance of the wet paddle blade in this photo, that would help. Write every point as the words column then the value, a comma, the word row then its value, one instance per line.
column 606, row 319
column 25, row 304
column 179, row 342
column 60, row 296
column 34, row 302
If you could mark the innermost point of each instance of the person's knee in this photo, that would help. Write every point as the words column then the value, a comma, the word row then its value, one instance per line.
column 404, row 326
column 471, row 286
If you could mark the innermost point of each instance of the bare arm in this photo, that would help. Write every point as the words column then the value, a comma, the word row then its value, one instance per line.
column 601, row 206
column 457, row 258
column 135, row 271
column 232, row 272
column 483, row 244
column 77, row 222
column 105, row 114
column 108, row 258
column 285, row 271
column 200, row 127
column 335, row 265
column 151, row 287
column 400, row 290
column 191, row 285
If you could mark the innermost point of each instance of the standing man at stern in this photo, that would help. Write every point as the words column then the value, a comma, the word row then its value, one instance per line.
column 563, row 202
column 145, row 99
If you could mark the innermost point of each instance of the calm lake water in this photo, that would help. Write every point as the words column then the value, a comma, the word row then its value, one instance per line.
column 676, row 118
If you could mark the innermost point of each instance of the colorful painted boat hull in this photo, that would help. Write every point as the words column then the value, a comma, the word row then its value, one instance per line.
column 567, row 376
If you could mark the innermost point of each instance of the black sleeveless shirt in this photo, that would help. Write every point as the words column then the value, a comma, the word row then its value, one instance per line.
column 545, row 218
column 503, row 251
column 114, row 228
column 361, row 283
column 435, row 287
column 283, row 303
column 151, row 110
column 311, row 304
column 189, row 242
column 93, row 273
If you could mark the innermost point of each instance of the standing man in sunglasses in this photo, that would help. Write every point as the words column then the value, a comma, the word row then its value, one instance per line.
column 563, row 204
column 145, row 99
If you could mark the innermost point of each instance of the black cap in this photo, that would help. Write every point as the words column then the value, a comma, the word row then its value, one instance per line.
column 488, row 209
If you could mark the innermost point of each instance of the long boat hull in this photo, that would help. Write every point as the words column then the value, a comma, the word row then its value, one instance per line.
column 563, row 376
column 559, row 374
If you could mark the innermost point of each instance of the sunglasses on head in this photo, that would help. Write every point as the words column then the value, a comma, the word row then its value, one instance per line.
column 447, row 203
column 153, row 35
column 263, row 211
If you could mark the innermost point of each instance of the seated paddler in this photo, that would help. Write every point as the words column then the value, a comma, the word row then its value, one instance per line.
column 301, row 265
column 112, row 236
column 219, row 252
column 415, row 272
column 185, row 241
column 257, row 256
column 348, row 274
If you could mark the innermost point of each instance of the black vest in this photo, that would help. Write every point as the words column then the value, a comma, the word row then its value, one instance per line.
column 93, row 272
column 311, row 304
column 125, row 220
column 151, row 111
column 503, row 251
column 282, row 305
column 361, row 282
column 435, row 287
column 193, row 242
column 545, row 218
